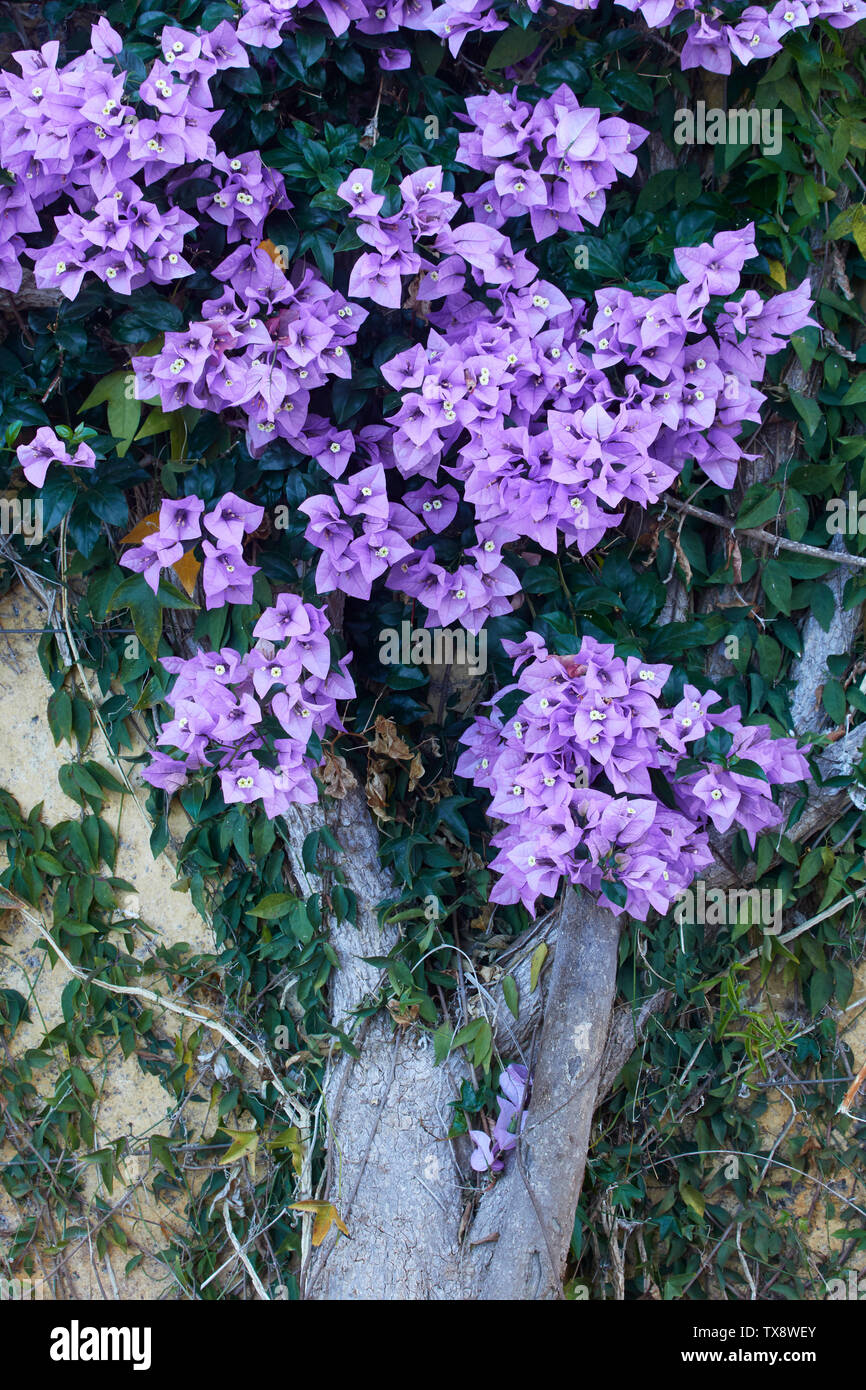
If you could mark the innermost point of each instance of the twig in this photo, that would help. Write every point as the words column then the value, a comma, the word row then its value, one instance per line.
column 242, row 1256
column 297, row 1112
column 812, row 922
column 844, row 1108
column 745, row 1268
column 756, row 534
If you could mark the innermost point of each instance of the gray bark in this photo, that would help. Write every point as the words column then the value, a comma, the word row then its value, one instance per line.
column 405, row 1192
column 531, row 1208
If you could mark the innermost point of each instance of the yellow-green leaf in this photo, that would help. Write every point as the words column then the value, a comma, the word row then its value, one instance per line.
column 509, row 989
column 325, row 1216
column 539, row 956
column 290, row 1139
column 693, row 1198
column 243, row 1145
column 777, row 273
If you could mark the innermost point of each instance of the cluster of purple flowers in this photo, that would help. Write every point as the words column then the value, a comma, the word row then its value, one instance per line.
column 553, row 159
column 569, row 774
column 221, row 702
column 258, row 352
column 713, row 44
column 351, row 562
column 514, row 1085
column 68, row 130
column 226, row 576
column 126, row 242
column 46, row 448
column 424, row 212
column 559, row 424
column 264, row 22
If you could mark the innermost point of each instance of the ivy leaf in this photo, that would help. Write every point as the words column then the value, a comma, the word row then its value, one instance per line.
column 244, row 1144
column 512, row 998
column 290, row 1139
column 272, row 906
column 539, row 956
column 326, row 1216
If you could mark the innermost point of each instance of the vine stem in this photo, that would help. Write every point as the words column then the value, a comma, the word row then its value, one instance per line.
column 298, row 1113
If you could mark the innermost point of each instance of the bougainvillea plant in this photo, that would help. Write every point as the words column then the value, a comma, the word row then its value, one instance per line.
column 540, row 416
column 338, row 321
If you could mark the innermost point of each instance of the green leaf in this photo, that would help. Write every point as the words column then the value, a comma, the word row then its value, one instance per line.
column 442, row 1042
column 769, row 655
column 105, row 390
column 273, row 905
column 539, row 956
column 60, row 716
column 856, row 393
column 808, row 410
column 146, row 615
column 776, row 583
column 157, row 422
column 512, row 999
column 834, row 702
column 757, row 513
column 511, row 46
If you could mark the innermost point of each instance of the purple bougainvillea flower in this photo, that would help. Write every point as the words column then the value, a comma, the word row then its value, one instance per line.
column 394, row 59
column 181, row 520
column 47, row 448
column 484, row 1159
column 232, row 520
column 226, row 577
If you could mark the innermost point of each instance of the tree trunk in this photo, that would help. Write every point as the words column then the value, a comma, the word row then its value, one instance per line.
column 406, row 1193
